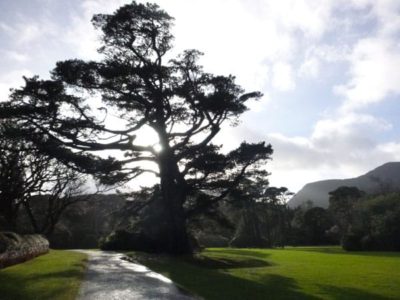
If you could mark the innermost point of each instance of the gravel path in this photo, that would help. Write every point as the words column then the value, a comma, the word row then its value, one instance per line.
column 109, row 277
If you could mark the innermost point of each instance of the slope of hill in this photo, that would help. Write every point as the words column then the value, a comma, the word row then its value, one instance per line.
column 382, row 179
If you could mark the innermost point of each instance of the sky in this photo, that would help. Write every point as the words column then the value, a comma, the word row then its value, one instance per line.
column 329, row 71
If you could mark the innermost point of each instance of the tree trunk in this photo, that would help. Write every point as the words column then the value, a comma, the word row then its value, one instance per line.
column 8, row 216
column 173, row 197
column 31, row 217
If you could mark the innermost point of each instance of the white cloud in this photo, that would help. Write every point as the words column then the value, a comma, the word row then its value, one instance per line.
column 349, row 128
column 81, row 34
column 309, row 17
column 24, row 32
column 16, row 56
column 310, row 68
column 340, row 147
column 282, row 77
column 374, row 71
column 10, row 80
column 346, row 145
column 6, row 28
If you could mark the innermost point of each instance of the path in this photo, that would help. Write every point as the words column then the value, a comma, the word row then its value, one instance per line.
column 108, row 277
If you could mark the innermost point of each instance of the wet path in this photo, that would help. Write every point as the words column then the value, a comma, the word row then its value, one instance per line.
column 108, row 277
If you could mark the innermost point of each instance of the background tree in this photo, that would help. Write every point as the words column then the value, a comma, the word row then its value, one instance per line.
column 342, row 203
column 275, row 199
column 248, row 196
column 317, row 221
column 263, row 220
column 141, row 87
column 28, row 177
column 11, row 185
column 375, row 224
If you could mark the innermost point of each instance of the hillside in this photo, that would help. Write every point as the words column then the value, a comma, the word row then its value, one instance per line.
column 382, row 179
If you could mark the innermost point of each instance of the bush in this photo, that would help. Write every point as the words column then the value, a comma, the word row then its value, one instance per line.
column 125, row 240
column 16, row 248
column 212, row 240
column 352, row 242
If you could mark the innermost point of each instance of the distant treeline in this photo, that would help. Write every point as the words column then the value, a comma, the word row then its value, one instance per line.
column 353, row 219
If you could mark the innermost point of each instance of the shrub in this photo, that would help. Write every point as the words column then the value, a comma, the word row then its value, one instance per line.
column 352, row 242
column 16, row 248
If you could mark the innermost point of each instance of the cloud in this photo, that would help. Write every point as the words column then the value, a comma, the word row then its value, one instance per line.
column 282, row 77
column 310, row 68
column 15, row 56
column 374, row 73
column 10, row 80
column 81, row 35
column 24, row 32
column 374, row 59
column 344, row 146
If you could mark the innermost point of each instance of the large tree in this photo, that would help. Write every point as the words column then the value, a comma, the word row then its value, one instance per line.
column 141, row 87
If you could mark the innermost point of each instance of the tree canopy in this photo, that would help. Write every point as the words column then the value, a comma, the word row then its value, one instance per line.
column 88, row 107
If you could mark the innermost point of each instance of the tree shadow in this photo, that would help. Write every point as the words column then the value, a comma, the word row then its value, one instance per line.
column 337, row 250
column 213, row 283
column 228, row 263
column 344, row 293
column 242, row 252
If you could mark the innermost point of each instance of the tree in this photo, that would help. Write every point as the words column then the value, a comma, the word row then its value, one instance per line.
column 375, row 224
column 317, row 221
column 263, row 221
column 28, row 177
column 342, row 202
column 11, row 183
column 142, row 89
column 248, row 197
column 275, row 198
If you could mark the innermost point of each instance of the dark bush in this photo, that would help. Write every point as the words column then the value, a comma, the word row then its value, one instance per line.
column 352, row 242
column 125, row 240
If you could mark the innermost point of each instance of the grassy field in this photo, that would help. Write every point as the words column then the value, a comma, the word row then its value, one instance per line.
column 55, row 276
column 292, row 273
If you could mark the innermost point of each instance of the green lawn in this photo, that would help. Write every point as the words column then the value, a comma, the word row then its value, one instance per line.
column 292, row 273
column 54, row 276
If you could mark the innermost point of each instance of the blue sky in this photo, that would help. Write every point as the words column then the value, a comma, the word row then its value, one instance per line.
column 329, row 70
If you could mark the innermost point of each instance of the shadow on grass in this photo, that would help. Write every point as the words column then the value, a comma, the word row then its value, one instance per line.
column 259, row 253
column 338, row 250
column 343, row 293
column 213, row 284
column 210, row 277
column 220, row 284
column 227, row 263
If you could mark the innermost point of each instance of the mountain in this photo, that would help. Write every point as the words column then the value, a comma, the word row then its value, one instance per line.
column 385, row 178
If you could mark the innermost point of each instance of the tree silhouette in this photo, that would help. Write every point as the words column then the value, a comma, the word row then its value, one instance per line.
column 141, row 87
column 27, row 177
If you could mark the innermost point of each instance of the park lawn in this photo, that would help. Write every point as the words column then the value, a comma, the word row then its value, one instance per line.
column 291, row 273
column 56, row 275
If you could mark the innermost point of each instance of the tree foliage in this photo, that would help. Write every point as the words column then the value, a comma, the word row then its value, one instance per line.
column 263, row 220
column 342, row 203
column 141, row 86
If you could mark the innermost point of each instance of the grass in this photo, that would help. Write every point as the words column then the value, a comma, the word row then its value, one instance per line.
column 56, row 275
column 292, row 273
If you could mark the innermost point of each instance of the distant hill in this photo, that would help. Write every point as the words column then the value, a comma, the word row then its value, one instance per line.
column 382, row 179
